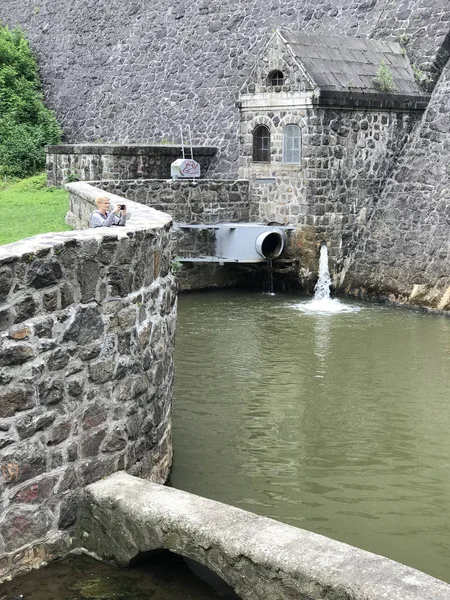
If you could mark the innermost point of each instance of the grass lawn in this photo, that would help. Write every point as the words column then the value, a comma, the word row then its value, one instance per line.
column 29, row 207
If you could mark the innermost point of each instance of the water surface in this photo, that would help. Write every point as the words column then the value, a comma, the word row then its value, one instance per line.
column 336, row 423
column 164, row 577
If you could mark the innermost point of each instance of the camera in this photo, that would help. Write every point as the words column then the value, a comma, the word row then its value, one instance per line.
column 122, row 207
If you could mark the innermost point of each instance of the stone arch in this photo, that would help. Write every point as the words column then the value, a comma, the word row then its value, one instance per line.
column 258, row 557
column 293, row 119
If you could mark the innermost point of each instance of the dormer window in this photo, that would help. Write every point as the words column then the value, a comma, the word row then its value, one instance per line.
column 276, row 78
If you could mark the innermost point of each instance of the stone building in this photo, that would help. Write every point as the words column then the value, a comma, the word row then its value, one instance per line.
column 323, row 120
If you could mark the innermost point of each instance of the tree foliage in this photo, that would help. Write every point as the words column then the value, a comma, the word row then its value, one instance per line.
column 26, row 125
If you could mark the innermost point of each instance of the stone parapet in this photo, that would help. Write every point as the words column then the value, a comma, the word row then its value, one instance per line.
column 188, row 201
column 87, row 322
column 88, row 162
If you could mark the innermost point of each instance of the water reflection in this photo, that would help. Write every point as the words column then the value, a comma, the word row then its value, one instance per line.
column 335, row 423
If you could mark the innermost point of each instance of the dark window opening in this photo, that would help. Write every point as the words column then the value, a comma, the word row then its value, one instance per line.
column 261, row 144
column 276, row 78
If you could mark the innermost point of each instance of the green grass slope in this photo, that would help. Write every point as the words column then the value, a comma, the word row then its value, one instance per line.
column 28, row 207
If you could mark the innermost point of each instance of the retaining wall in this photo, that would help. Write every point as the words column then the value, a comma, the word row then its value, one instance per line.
column 87, row 322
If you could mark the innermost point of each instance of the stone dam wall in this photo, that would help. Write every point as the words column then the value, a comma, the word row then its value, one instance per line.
column 87, row 323
column 404, row 251
column 133, row 72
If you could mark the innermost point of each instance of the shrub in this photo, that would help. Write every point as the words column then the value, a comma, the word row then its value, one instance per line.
column 420, row 76
column 383, row 79
column 26, row 125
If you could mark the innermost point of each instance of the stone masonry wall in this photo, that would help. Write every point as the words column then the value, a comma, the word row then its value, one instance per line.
column 87, row 321
column 128, row 161
column 404, row 252
column 345, row 160
column 133, row 71
column 199, row 201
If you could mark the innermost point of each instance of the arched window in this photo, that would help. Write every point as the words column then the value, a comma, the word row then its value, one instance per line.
column 261, row 144
column 292, row 144
column 276, row 78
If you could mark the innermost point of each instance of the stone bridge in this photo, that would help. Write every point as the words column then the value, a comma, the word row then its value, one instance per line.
column 261, row 559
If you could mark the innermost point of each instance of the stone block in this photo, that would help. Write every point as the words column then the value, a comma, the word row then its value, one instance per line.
column 6, row 282
column 24, row 309
column 16, row 354
column 6, row 318
column 44, row 273
column 58, row 359
column 21, row 464
column 85, row 327
column 88, row 277
column 94, row 415
column 102, row 370
column 19, row 333
column 51, row 392
column 24, row 524
column 75, row 387
column 44, row 328
column 68, row 511
column 119, row 280
column 14, row 400
column 90, row 443
column 50, row 301
column 59, row 432
column 31, row 424
column 35, row 492
column 115, row 440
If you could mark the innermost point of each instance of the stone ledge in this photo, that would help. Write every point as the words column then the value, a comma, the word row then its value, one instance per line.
column 129, row 149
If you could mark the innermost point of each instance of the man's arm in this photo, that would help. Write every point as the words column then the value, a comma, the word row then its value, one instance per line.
column 98, row 221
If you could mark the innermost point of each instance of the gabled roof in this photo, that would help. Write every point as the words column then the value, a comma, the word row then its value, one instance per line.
column 340, row 71
column 342, row 63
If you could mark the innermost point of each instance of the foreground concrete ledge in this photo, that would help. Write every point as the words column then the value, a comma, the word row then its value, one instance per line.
column 262, row 559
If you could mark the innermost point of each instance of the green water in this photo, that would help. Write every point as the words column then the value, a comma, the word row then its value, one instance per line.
column 338, row 424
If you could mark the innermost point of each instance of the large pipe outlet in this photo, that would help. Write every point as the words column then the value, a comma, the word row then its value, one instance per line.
column 270, row 244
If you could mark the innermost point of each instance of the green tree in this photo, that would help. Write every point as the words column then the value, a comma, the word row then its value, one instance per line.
column 26, row 125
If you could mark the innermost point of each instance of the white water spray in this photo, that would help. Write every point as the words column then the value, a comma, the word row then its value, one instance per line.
column 322, row 303
column 322, row 287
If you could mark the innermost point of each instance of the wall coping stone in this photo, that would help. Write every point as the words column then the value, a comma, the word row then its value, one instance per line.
column 129, row 149
column 143, row 218
column 258, row 556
